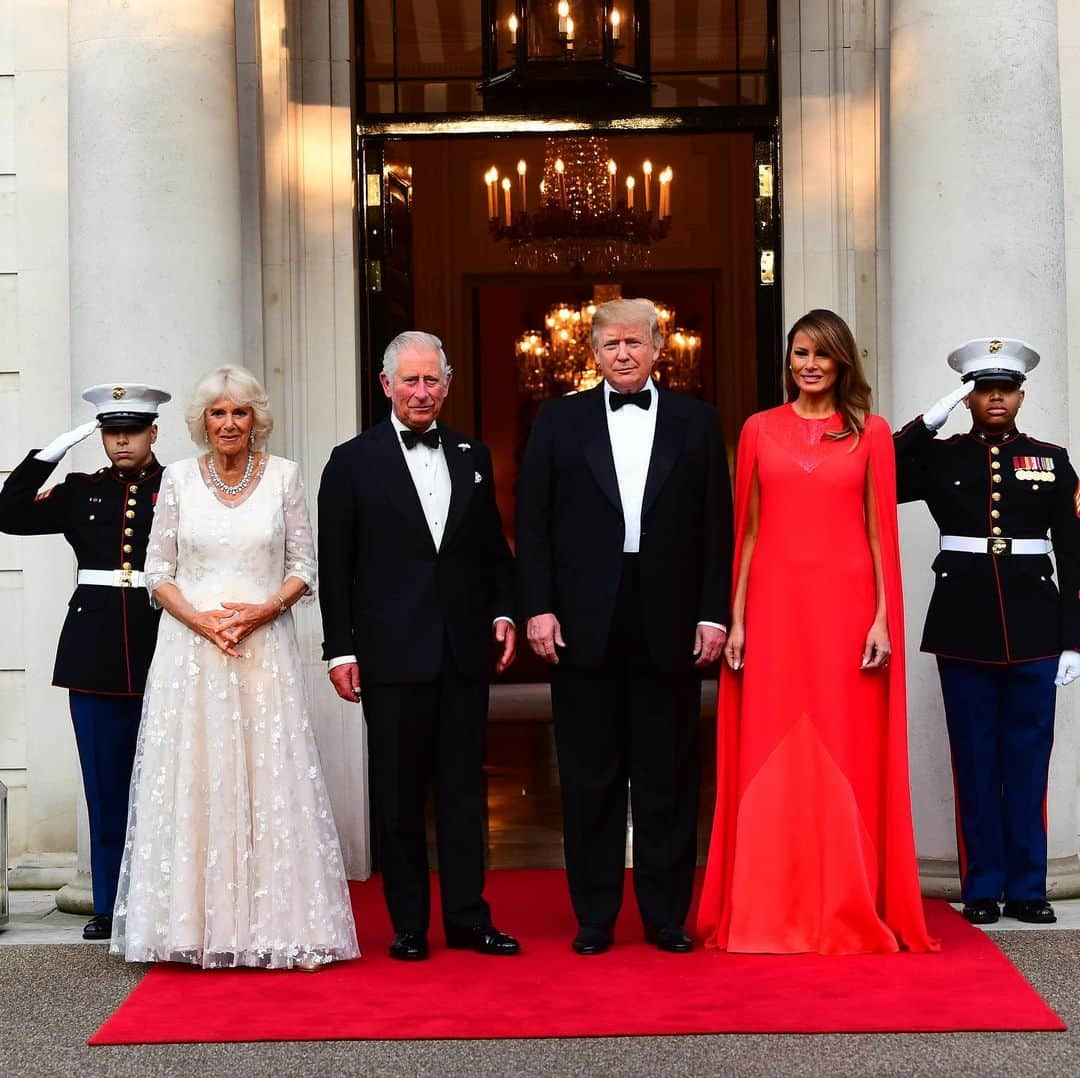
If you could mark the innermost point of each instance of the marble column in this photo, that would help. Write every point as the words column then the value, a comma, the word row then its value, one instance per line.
column 978, row 238
column 154, row 203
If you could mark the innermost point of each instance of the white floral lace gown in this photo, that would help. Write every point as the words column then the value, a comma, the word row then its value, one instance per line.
column 232, row 857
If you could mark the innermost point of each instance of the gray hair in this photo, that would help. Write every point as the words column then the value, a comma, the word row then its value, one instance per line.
column 633, row 312
column 240, row 386
column 413, row 339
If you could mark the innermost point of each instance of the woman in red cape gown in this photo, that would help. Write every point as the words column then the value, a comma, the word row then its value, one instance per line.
column 812, row 844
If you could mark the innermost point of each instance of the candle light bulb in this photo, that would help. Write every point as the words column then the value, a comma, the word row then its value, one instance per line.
column 521, row 166
column 512, row 23
column 505, row 184
column 612, row 167
column 646, row 167
column 630, row 183
column 559, row 166
column 569, row 28
column 616, row 23
column 564, row 9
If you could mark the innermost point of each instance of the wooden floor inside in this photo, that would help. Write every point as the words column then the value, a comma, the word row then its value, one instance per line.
column 524, row 813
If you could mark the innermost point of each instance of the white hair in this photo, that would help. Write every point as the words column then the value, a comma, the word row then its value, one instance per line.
column 240, row 386
column 626, row 312
column 413, row 339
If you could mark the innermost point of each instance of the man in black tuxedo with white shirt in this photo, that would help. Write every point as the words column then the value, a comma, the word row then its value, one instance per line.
column 417, row 581
column 624, row 546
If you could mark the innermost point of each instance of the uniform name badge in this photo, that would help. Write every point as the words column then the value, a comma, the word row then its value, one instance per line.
column 1034, row 469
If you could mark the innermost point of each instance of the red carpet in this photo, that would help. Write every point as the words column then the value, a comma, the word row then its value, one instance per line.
column 548, row 991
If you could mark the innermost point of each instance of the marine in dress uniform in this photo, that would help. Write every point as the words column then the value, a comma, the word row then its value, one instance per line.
column 1004, row 635
column 109, row 634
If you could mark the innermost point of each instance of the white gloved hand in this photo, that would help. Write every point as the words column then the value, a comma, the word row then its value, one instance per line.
column 934, row 417
column 55, row 450
column 1068, row 667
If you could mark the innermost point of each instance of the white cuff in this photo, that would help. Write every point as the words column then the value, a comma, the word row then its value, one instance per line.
column 503, row 617
column 714, row 625
column 341, row 660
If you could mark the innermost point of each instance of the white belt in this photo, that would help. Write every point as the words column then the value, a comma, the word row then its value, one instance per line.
column 113, row 578
column 995, row 544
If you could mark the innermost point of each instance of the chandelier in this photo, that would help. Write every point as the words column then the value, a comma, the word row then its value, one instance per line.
column 560, row 359
column 582, row 211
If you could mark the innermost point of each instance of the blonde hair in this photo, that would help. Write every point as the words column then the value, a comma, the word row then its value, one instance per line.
column 634, row 312
column 240, row 386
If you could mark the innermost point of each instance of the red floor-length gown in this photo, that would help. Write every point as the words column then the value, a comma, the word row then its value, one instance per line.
column 812, row 846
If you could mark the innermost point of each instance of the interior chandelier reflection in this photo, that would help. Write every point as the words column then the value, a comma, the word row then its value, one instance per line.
column 559, row 359
column 584, row 212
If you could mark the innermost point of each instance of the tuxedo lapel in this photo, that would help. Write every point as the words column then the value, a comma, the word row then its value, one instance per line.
column 598, row 447
column 667, row 441
column 396, row 480
column 460, row 464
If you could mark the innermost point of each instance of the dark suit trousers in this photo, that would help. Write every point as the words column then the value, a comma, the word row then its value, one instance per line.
column 418, row 735
column 628, row 721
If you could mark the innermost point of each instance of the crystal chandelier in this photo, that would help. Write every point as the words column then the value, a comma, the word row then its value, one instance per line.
column 581, row 212
column 559, row 359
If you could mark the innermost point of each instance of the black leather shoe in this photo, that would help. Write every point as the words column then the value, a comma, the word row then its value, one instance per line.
column 409, row 946
column 981, row 911
column 674, row 940
column 99, row 927
column 591, row 940
column 484, row 939
column 1036, row 912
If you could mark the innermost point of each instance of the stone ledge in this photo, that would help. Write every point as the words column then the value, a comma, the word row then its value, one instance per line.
column 941, row 879
column 43, row 871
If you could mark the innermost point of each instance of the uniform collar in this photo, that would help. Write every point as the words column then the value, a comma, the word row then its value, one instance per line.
column 994, row 439
column 138, row 475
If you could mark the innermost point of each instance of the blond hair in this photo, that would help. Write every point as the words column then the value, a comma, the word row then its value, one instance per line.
column 633, row 312
column 240, row 386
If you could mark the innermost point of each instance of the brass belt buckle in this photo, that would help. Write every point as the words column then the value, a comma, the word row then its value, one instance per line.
column 125, row 578
column 999, row 546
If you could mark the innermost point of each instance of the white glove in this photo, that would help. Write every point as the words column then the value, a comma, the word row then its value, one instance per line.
column 55, row 450
column 1068, row 667
column 934, row 417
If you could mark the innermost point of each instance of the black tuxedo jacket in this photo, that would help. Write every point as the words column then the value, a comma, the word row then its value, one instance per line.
column 387, row 595
column 570, row 527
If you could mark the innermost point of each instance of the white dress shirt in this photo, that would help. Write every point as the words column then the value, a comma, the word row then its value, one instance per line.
column 431, row 478
column 631, row 430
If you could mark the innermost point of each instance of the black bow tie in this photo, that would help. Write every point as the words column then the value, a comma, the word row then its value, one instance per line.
column 430, row 438
column 643, row 399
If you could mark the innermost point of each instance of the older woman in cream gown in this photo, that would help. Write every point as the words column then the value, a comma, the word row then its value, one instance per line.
column 232, row 856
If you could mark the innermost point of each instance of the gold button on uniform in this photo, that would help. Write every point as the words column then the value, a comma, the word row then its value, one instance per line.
column 995, row 513
column 994, row 450
column 133, row 490
column 91, row 516
column 130, row 514
column 996, row 464
column 996, row 496
column 126, row 566
column 132, row 502
column 997, row 479
column 127, row 548
column 943, row 575
column 996, row 531
column 129, row 532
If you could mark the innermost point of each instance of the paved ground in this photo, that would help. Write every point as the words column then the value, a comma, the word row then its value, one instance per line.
column 54, row 993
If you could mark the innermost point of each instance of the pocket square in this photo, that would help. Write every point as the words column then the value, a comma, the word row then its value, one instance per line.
column 477, row 477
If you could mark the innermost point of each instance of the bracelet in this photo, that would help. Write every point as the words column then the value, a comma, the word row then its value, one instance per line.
column 281, row 605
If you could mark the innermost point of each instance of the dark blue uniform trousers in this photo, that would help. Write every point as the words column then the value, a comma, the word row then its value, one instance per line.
column 1001, row 730
column 106, row 730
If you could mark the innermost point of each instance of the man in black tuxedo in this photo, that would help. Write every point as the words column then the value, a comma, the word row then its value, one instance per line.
column 417, row 579
column 624, row 572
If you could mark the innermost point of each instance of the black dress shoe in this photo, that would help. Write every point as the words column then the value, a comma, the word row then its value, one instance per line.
column 409, row 946
column 981, row 911
column 590, row 940
column 1036, row 912
column 99, row 927
column 674, row 940
column 484, row 939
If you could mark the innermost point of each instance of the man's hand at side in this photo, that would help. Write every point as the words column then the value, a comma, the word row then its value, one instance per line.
column 346, row 681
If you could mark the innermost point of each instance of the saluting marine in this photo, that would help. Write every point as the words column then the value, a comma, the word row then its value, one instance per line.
column 109, row 634
column 1003, row 633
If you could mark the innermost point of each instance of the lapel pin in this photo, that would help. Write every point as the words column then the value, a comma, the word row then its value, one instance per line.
column 464, row 447
column 477, row 477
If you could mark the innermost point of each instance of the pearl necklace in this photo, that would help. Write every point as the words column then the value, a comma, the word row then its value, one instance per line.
column 221, row 484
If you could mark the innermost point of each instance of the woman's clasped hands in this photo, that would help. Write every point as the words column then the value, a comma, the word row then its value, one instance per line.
column 227, row 626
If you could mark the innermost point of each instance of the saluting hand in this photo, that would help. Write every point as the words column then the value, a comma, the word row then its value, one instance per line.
column 934, row 417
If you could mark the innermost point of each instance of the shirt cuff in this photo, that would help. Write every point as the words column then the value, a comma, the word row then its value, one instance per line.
column 503, row 617
column 714, row 625
column 341, row 660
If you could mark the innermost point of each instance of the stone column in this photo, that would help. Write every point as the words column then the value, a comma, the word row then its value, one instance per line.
column 154, row 204
column 977, row 232
column 154, row 222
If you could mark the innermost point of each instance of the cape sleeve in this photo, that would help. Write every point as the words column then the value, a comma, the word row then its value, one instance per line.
column 903, row 908
column 714, row 916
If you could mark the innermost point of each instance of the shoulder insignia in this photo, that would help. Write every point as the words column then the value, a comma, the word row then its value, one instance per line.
column 45, row 495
